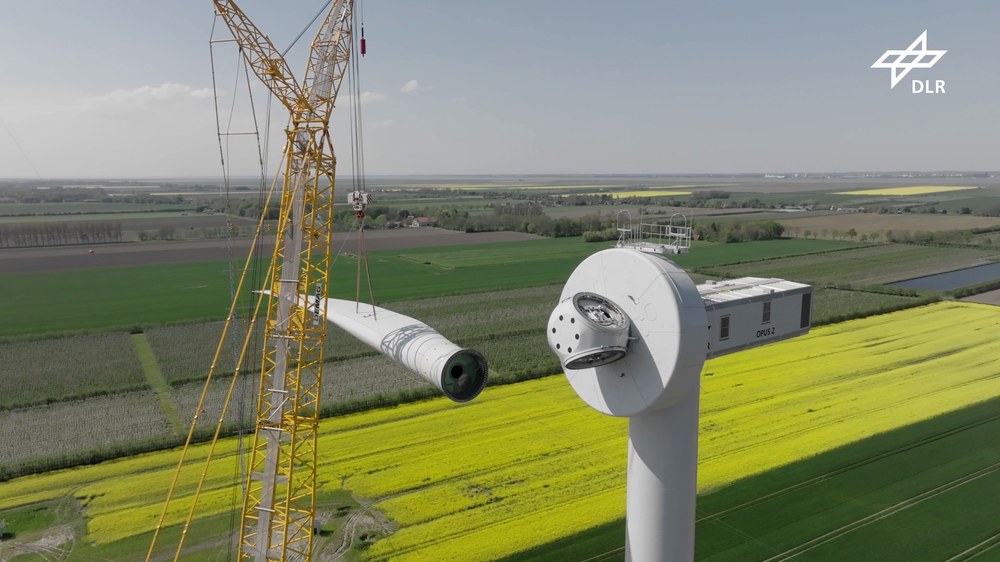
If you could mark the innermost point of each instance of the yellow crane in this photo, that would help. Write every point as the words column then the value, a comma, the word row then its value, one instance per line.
column 279, row 502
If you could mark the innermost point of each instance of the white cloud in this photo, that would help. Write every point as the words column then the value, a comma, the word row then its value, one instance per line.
column 371, row 97
column 144, row 98
column 414, row 86
column 152, row 130
column 366, row 98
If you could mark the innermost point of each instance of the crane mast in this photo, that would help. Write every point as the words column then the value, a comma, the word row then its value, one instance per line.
column 279, row 503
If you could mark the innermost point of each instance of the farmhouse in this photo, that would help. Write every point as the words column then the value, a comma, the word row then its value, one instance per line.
column 424, row 221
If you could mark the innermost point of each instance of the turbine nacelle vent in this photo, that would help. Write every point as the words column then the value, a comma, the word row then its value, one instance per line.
column 588, row 330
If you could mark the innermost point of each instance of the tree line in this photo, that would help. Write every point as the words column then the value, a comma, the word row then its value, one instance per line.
column 58, row 233
column 514, row 217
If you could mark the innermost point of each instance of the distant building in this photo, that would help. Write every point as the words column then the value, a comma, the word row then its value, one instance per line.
column 424, row 221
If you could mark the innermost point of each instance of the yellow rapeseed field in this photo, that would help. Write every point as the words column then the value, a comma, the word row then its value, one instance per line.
column 529, row 463
column 913, row 190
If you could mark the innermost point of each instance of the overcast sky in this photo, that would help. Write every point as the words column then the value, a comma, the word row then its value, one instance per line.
column 123, row 88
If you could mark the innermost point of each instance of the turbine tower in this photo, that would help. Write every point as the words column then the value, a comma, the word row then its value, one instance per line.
column 632, row 332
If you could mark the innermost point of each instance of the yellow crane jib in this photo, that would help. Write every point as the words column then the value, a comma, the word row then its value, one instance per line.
column 279, row 505
column 278, row 514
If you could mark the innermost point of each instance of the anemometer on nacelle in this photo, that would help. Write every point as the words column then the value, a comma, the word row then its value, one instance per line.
column 672, row 237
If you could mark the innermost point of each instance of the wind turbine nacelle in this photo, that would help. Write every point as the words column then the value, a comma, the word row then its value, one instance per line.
column 459, row 373
column 630, row 330
column 754, row 311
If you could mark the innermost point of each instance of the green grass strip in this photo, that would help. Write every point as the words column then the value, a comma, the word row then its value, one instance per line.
column 151, row 369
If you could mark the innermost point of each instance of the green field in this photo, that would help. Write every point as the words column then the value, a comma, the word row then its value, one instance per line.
column 840, row 505
column 506, row 327
column 882, row 263
column 114, row 298
column 158, row 215
column 979, row 203
column 514, row 319
column 121, row 297
column 51, row 370
column 79, row 370
column 10, row 209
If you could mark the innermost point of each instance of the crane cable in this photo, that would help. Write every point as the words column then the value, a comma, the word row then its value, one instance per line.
column 306, row 28
column 359, row 180
column 246, row 394
column 250, row 335
column 357, row 136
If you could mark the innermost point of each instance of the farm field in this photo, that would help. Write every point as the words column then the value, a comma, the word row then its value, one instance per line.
column 991, row 297
column 529, row 463
column 867, row 223
column 471, row 203
column 981, row 200
column 184, row 351
column 880, row 263
column 845, row 496
column 81, row 427
column 511, row 186
column 56, row 258
column 911, row 190
column 702, row 254
column 639, row 193
column 356, row 376
column 834, row 184
column 104, row 229
column 506, row 327
column 664, row 211
column 84, row 208
column 833, row 305
column 133, row 220
column 114, row 297
column 120, row 297
column 35, row 372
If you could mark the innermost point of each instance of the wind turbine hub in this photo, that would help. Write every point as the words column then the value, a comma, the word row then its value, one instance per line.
column 588, row 330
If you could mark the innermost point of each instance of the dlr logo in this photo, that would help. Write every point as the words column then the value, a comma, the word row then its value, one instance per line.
column 924, row 87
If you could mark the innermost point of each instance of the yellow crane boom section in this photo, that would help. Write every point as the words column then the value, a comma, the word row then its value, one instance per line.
column 278, row 514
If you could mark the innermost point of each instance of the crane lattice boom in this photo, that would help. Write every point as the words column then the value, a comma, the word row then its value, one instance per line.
column 279, row 506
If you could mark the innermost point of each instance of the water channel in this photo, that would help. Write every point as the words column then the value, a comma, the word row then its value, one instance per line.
column 952, row 279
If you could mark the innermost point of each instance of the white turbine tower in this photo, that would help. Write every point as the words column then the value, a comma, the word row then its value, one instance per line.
column 632, row 332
